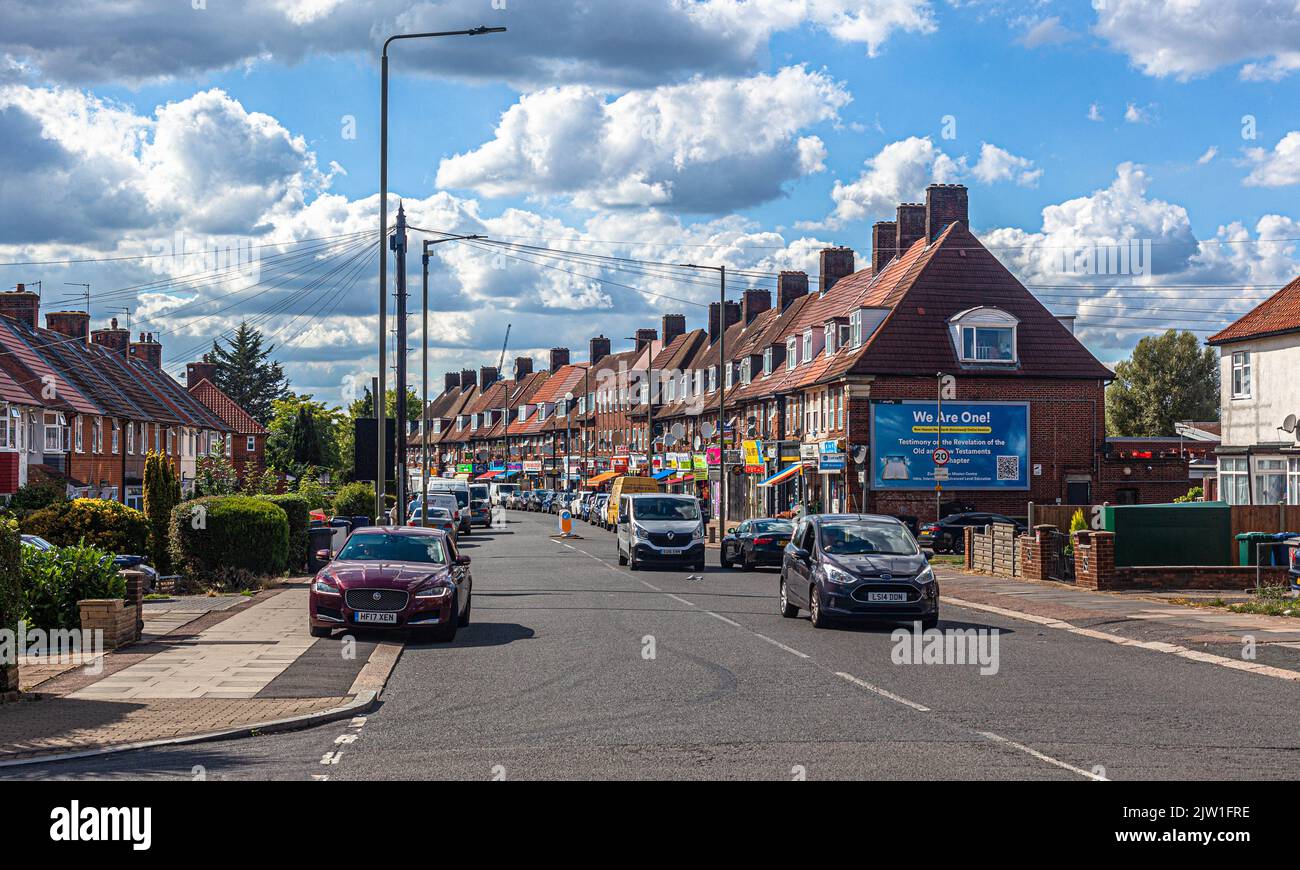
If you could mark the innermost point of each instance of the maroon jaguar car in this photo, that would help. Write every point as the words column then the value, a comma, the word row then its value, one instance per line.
column 393, row 577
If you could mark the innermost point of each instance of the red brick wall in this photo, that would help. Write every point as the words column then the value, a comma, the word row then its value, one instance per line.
column 248, row 461
column 1156, row 480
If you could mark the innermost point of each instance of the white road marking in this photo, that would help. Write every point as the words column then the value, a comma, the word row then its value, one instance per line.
column 730, row 622
column 1151, row 645
column 883, row 692
column 320, row 777
column 1087, row 774
column 779, row 645
column 331, row 757
column 681, row 600
column 345, row 738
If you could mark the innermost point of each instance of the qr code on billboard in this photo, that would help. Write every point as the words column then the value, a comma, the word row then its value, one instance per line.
column 1008, row 468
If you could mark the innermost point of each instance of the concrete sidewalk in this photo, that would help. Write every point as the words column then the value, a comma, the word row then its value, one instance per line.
column 1142, row 617
column 214, row 668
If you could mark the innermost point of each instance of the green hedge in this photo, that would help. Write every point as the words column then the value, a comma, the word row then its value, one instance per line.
column 298, row 509
column 355, row 500
column 55, row 580
column 108, row 525
column 10, row 586
column 216, row 535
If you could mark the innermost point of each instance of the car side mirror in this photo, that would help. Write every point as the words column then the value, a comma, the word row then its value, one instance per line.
column 462, row 560
column 622, row 519
column 324, row 556
column 929, row 555
column 802, row 554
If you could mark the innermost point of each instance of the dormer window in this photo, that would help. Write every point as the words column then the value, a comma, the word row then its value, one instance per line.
column 746, row 368
column 767, row 361
column 807, row 344
column 791, row 352
column 713, row 379
column 830, row 338
column 985, row 336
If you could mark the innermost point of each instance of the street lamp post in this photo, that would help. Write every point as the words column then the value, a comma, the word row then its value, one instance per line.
column 424, row 376
column 722, row 394
column 650, row 406
column 382, row 392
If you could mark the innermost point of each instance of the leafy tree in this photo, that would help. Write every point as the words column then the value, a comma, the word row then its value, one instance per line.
column 355, row 500
column 1168, row 379
column 304, row 434
column 246, row 373
column 215, row 476
column 162, row 492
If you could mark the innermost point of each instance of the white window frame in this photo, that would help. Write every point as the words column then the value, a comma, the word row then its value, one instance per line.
column 984, row 318
column 1267, row 467
column 1242, row 382
column 791, row 352
column 1293, row 480
column 1234, row 471
column 251, row 444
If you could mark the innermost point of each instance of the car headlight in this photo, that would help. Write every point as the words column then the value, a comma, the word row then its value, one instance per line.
column 434, row 592
column 835, row 575
column 640, row 532
column 698, row 534
column 926, row 577
column 324, row 586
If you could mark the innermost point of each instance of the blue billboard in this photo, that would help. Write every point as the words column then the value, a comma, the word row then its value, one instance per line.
column 987, row 445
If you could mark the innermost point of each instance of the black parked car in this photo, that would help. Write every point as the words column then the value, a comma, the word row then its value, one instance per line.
column 949, row 534
column 756, row 542
column 857, row 567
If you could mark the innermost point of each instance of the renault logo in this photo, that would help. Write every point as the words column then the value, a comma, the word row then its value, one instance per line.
column 670, row 536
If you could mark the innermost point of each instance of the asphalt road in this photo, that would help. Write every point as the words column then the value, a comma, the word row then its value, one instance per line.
column 575, row 668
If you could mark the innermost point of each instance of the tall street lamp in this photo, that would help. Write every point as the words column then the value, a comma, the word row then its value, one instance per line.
column 381, row 397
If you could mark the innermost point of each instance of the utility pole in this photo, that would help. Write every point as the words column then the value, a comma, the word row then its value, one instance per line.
column 381, row 386
column 425, row 472
column 938, row 442
column 399, row 249
column 722, row 393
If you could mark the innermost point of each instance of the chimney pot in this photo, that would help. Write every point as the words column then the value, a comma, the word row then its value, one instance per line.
column 790, row 286
column 450, row 381
column 834, row 264
column 910, row 226
column 884, row 235
column 644, row 337
column 598, row 349
column 466, row 378
column 523, row 367
column 559, row 358
column 487, row 376
column 20, row 305
column 674, row 325
column 73, row 324
column 754, row 302
column 945, row 204
column 196, row 372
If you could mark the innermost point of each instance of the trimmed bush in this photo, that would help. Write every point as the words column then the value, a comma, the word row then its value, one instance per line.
column 298, row 509
column 36, row 495
column 217, row 537
column 55, row 580
column 107, row 525
column 162, row 492
column 355, row 500
column 11, row 593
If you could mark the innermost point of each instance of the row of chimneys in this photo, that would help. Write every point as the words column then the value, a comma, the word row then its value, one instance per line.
column 945, row 204
column 23, row 305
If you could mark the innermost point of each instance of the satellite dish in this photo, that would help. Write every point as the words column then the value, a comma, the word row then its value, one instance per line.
column 707, row 429
column 696, row 443
column 679, row 431
column 1289, row 424
column 481, row 456
column 860, row 454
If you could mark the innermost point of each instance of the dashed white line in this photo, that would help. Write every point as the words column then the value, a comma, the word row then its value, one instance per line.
column 680, row 600
column 884, row 693
column 779, row 645
column 1029, row 750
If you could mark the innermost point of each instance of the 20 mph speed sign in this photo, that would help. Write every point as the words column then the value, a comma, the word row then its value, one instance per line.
column 940, row 456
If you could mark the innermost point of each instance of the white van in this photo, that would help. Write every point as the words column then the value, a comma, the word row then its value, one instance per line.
column 660, row 529
column 502, row 491
column 458, row 488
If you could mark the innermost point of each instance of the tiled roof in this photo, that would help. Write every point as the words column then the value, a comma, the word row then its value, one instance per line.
column 226, row 408
column 32, row 370
column 1277, row 314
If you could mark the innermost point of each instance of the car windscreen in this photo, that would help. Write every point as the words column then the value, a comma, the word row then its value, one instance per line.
column 478, row 491
column 664, row 508
column 772, row 527
column 866, row 538
column 393, row 548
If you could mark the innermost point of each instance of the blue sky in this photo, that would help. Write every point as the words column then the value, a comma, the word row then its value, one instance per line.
column 776, row 128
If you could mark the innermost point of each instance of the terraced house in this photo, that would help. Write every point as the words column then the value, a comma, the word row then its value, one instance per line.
column 87, row 407
column 930, row 381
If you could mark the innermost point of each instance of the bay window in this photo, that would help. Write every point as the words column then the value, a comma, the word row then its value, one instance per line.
column 1234, row 481
column 1270, row 481
column 56, row 432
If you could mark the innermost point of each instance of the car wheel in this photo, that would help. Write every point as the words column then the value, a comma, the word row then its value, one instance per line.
column 816, row 615
column 747, row 560
column 631, row 561
column 469, row 603
column 788, row 610
column 930, row 622
column 622, row 560
column 320, row 631
column 699, row 566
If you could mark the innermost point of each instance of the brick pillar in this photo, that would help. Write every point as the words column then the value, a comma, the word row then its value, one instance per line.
column 1033, row 553
column 969, row 548
column 1094, row 559
column 135, row 581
